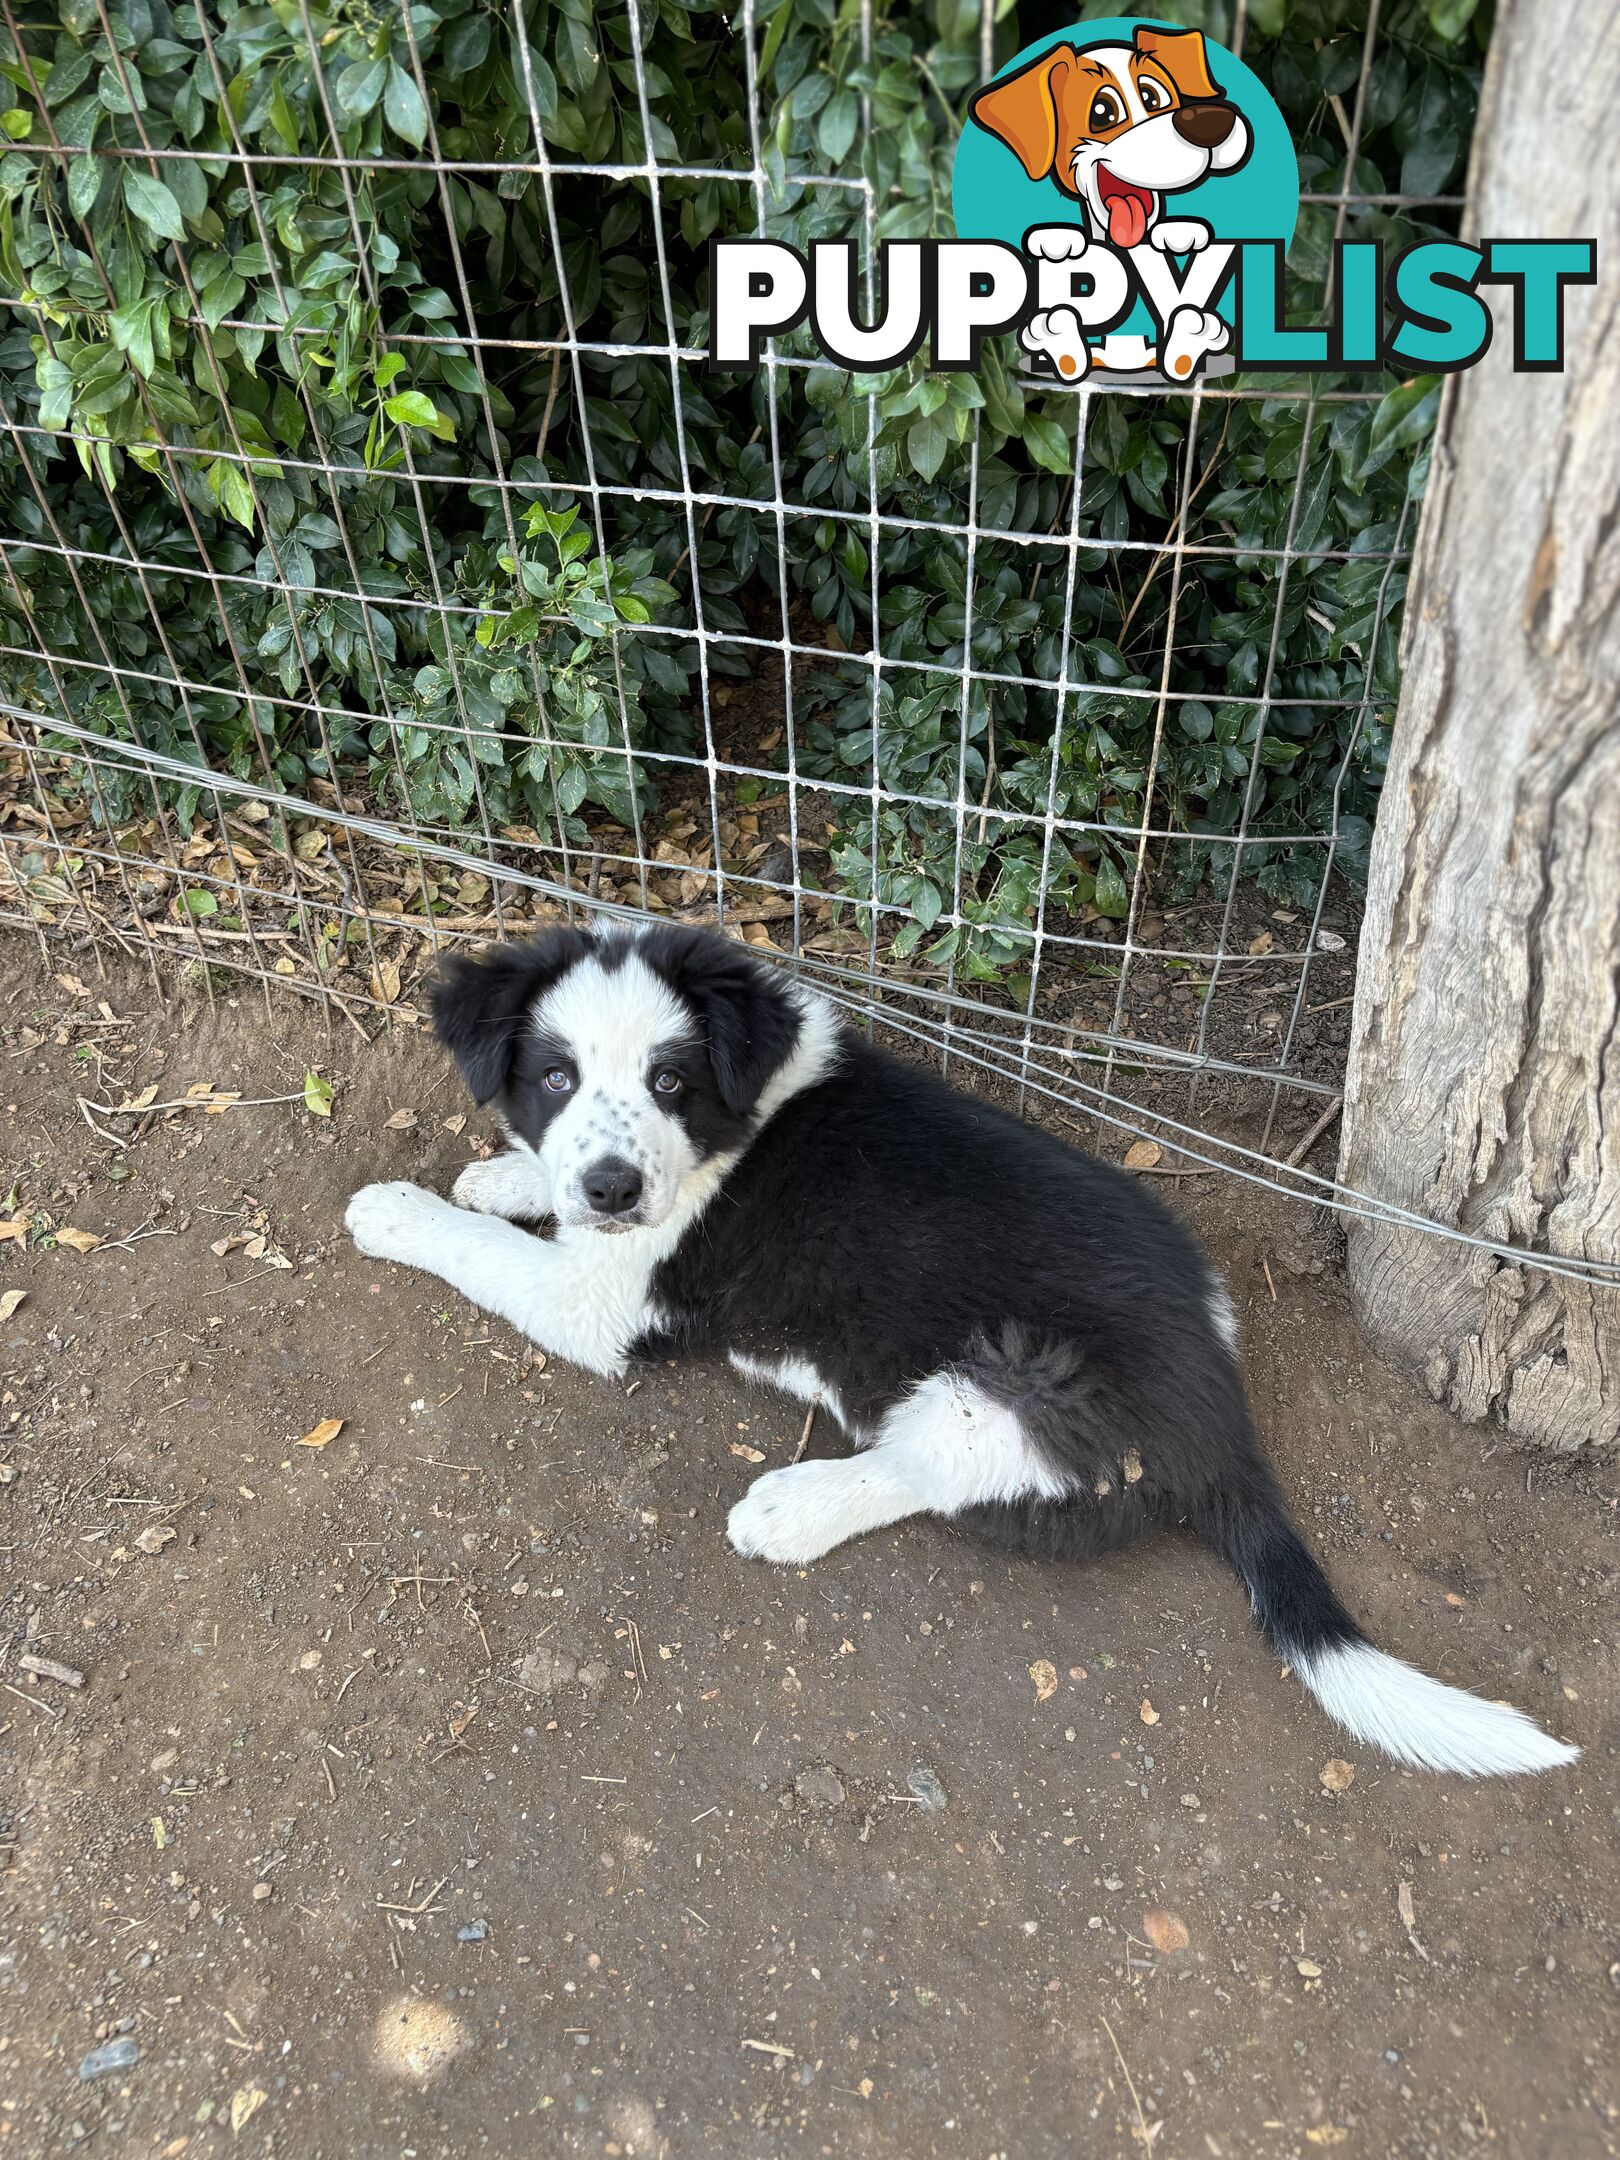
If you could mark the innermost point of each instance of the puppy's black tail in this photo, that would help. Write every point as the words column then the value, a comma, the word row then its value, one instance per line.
column 1379, row 1698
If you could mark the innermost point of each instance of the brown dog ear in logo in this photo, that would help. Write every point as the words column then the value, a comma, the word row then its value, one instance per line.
column 1182, row 55
column 1023, row 110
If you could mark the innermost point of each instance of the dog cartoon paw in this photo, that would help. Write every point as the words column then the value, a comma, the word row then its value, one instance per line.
column 396, row 1221
column 796, row 1514
column 1180, row 236
column 1193, row 334
column 1056, row 243
column 1056, row 335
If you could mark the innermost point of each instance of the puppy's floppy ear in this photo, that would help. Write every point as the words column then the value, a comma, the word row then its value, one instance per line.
column 1184, row 57
column 1023, row 110
column 479, row 1004
column 750, row 1024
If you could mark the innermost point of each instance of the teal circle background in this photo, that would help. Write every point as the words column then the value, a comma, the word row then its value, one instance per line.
column 993, row 198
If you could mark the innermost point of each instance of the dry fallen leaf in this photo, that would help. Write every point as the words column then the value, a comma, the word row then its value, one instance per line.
column 18, row 1228
column 1453, row 1599
column 748, row 1454
column 1327, row 2134
column 80, row 1240
column 456, row 1124
column 10, row 1302
column 246, row 2102
column 385, row 981
column 1132, row 1466
column 143, row 1101
column 1044, row 1674
column 1166, row 1931
column 154, row 1538
column 322, row 1434
column 216, row 1103
column 401, row 1121
column 1336, row 1776
column 1142, row 1154
column 1263, row 943
column 1148, row 1714
column 1307, row 1968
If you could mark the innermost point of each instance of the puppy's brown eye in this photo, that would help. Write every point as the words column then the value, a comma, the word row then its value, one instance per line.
column 666, row 1083
column 1106, row 111
column 1153, row 95
column 559, row 1081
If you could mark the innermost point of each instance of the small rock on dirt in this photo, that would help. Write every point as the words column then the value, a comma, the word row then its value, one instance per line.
column 821, row 1786
column 926, row 1787
column 120, row 2054
column 545, row 1669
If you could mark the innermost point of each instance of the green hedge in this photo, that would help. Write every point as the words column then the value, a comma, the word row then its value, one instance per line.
column 162, row 314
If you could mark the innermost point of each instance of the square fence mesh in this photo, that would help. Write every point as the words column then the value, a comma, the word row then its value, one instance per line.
column 1114, row 952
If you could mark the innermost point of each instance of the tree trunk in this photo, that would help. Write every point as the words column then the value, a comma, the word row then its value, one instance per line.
column 1484, row 1077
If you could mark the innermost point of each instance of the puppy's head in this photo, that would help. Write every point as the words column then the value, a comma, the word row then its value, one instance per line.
column 627, row 1061
column 1118, row 126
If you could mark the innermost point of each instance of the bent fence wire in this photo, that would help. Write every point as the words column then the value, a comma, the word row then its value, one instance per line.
column 1201, row 1013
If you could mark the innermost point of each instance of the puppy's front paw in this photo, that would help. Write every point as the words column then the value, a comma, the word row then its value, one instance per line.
column 396, row 1221
column 796, row 1514
column 506, row 1185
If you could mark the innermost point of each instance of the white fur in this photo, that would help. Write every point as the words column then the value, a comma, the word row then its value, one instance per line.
column 614, row 1023
column 1223, row 1313
column 580, row 1295
column 794, row 1376
column 1393, row 1706
column 514, row 1185
column 948, row 1446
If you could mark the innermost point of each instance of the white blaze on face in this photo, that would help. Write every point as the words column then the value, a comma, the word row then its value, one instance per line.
column 613, row 1021
column 1120, row 181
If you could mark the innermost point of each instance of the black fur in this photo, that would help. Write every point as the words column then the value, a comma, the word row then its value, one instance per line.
column 883, row 1227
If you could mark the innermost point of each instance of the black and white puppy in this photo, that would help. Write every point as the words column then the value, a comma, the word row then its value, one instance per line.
column 1013, row 1335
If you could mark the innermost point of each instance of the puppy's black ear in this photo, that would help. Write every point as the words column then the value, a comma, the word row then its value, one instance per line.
column 479, row 1004
column 750, row 1023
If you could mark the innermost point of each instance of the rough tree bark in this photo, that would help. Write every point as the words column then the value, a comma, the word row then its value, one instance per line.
column 1484, row 1076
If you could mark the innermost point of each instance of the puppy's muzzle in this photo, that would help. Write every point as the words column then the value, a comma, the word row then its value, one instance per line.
column 612, row 1187
column 1205, row 125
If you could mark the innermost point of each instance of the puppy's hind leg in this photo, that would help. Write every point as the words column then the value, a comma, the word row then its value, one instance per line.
column 948, row 1447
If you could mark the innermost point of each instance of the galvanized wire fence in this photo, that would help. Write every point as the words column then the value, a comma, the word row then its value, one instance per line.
column 1214, row 1022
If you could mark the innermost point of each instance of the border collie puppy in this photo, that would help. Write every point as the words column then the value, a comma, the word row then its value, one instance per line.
column 704, row 1162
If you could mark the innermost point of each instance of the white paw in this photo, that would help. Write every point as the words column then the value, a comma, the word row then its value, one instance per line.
column 1056, row 332
column 1180, row 236
column 396, row 1221
column 1056, row 243
column 797, row 1514
column 1193, row 334
column 507, row 1185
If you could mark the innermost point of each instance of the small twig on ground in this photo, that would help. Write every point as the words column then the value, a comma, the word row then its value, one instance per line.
column 45, row 1668
column 1146, row 2132
column 1317, row 1130
column 804, row 1436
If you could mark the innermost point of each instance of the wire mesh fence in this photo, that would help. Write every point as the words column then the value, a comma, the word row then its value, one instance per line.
column 471, row 647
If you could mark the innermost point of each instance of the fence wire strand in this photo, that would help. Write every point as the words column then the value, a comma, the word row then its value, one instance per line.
column 164, row 855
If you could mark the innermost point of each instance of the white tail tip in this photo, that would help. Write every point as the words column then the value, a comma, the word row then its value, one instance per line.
column 1421, row 1721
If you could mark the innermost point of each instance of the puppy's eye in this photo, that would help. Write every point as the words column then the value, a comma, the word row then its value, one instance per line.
column 1154, row 96
column 1106, row 110
column 559, row 1081
column 666, row 1083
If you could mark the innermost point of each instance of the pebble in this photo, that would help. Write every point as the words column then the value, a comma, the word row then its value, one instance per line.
column 120, row 2054
column 822, row 1785
column 926, row 1787
column 474, row 1931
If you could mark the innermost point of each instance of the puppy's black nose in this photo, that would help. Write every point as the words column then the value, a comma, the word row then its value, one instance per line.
column 612, row 1186
column 1205, row 125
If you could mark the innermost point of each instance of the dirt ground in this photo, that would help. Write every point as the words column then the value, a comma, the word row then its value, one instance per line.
column 452, row 1788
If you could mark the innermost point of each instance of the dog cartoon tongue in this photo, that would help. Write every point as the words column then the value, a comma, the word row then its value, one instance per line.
column 1127, row 209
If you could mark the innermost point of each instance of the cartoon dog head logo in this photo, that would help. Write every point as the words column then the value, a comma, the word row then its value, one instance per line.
column 1119, row 127
column 1123, row 160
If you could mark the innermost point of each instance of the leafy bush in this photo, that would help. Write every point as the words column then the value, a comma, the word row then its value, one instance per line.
column 268, row 372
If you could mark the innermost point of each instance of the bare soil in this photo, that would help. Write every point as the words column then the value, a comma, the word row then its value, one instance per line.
column 452, row 1788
